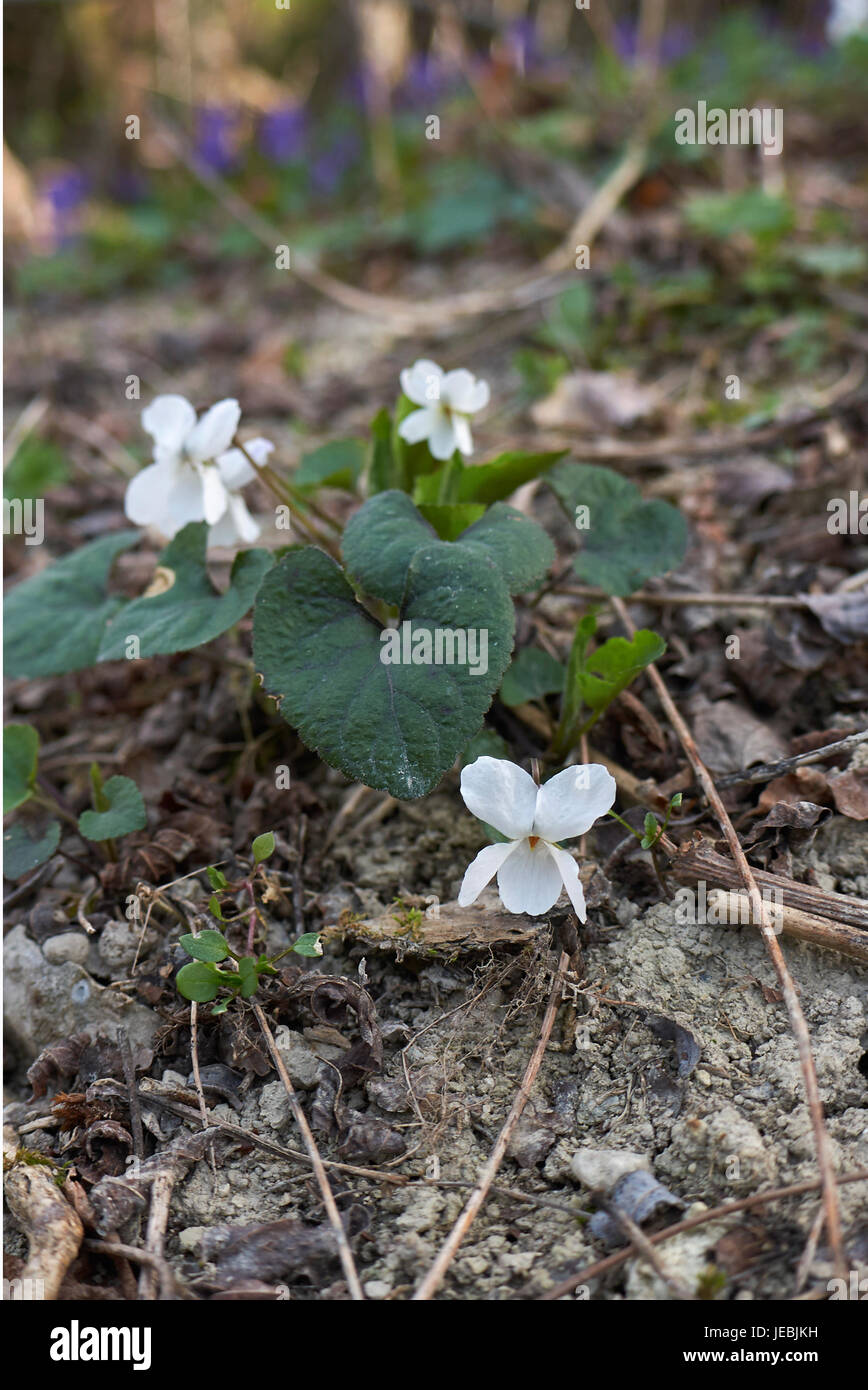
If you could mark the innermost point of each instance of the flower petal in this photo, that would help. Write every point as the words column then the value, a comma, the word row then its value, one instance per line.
column 145, row 500
column 482, row 871
column 418, row 426
column 213, row 434
column 422, row 383
column 529, row 880
column 569, row 872
column 500, row 793
column 246, row 528
column 236, row 470
column 185, row 500
column 463, row 392
column 215, row 497
column 463, row 437
column 441, row 440
column 168, row 420
column 569, row 804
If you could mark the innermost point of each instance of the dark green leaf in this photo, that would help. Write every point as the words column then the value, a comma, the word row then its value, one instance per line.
column 398, row 727
column 27, row 844
column 54, row 621
column 532, row 674
column 208, row 945
column 214, row 908
column 383, row 470
column 126, row 812
column 519, row 547
column 20, row 756
column 190, row 611
column 381, row 540
column 248, row 973
column 216, row 878
column 485, row 744
column 198, row 981
column 626, row 540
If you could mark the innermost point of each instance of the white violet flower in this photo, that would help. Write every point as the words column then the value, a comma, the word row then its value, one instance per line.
column 845, row 18
column 196, row 475
column 531, row 867
column 447, row 399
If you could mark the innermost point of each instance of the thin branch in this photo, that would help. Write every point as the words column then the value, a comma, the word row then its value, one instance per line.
column 448, row 1250
column 346, row 1255
column 760, row 913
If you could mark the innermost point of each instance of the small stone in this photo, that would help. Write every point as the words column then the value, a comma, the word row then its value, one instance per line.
column 70, row 945
column 300, row 1061
column 191, row 1238
column 703, row 1077
column 376, row 1288
column 601, row 1168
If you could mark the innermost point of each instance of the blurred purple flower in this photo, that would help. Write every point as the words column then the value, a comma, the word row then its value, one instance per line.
column 521, row 40
column 282, row 133
column 215, row 137
column 674, row 44
column 357, row 89
column 330, row 166
column 425, row 80
column 65, row 192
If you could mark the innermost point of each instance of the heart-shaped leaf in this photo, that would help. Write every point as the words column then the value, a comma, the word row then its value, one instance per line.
column 396, row 726
column 381, row 539
column 519, row 547
column 189, row 610
column 20, row 756
column 28, row 843
column 532, row 674
column 385, row 534
column 449, row 519
column 54, row 621
column 624, row 540
column 126, row 811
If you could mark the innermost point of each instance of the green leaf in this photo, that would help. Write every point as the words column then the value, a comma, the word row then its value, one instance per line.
column 27, row 844
column 20, row 756
column 652, row 829
column 379, row 542
column 385, row 534
column 397, row 727
column 248, row 973
column 487, row 482
column 336, row 464
column 199, row 981
column 190, row 611
column 383, row 469
column 208, row 945
column 766, row 216
column 263, row 847
column 36, row 467
column 569, row 320
column 217, row 878
column 519, row 547
column 308, row 944
column 626, row 540
column 449, row 519
column 532, row 674
column 126, row 812
column 220, row 1007
column 611, row 668
column 54, row 621
column 214, row 907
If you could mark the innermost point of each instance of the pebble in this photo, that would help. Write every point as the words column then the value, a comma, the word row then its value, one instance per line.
column 70, row 945
column 601, row 1168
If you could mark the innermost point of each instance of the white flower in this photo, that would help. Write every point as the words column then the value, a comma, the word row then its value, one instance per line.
column 846, row 17
column 195, row 475
column 447, row 399
column 531, row 869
